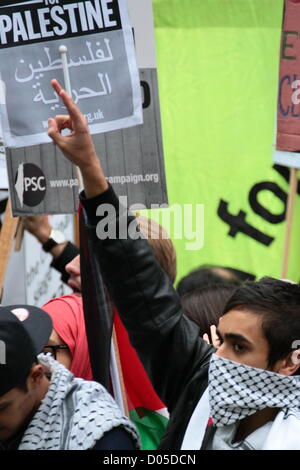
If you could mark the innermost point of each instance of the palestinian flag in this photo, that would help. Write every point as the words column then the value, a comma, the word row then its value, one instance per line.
column 146, row 410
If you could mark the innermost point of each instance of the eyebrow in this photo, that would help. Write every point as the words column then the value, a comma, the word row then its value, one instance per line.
column 234, row 336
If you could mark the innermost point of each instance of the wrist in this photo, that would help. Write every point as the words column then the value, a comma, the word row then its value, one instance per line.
column 54, row 239
column 91, row 165
column 94, row 180
column 44, row 235
column 57, row 250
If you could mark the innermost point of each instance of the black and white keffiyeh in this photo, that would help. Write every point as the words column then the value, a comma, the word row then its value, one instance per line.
column 74, row 414
column 237, row 390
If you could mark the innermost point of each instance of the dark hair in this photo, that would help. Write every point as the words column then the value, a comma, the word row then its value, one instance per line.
column 279, row 304
column 206, row 275
column 23, row 385
column 205, row 305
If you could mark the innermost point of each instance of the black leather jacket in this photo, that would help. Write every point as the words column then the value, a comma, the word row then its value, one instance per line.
column 167, row 342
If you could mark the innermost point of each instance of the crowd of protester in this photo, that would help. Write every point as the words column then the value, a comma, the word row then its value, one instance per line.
column 219, row 353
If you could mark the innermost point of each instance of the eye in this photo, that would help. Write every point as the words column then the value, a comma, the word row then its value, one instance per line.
column 238, row 347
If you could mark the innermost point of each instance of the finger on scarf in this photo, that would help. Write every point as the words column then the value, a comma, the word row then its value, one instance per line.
column 206, row 338
column 214, row 337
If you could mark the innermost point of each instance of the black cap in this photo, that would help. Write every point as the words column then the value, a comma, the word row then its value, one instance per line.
column 24, row 331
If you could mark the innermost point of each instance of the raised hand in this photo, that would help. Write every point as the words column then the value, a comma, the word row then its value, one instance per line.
column 39, row 226
column 78, row 145
column 214, row 338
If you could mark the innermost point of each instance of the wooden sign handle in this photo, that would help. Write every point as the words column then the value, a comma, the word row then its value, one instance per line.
column 7, row 235
column 289, row 221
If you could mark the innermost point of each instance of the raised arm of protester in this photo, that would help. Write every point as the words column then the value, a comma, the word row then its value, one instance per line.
column 131, row 273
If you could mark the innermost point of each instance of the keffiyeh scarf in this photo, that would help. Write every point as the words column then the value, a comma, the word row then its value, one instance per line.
column 236, row 391
column 74, row 414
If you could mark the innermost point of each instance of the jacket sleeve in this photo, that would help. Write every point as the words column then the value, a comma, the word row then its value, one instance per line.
column 166, row 341
column 116, row 439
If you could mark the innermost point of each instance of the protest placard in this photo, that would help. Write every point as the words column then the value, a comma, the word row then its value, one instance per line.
column 40, row 282
column 287, row 147
column 101, row 63
column 132, row 158
column 3, row 170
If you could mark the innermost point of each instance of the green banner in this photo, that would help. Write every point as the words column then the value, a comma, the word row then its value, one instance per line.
column 218, row 80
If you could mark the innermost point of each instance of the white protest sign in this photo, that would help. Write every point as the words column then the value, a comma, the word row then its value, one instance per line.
column 3, row 170
column 141, row 16
column 37, row 282
column 101, row 61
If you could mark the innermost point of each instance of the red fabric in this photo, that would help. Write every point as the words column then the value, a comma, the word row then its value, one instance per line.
column 288, row 114
column 68, row 321
column 140, row 393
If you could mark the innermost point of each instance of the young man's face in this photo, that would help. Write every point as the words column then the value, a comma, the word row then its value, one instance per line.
column 16, row 408
column 242, row 339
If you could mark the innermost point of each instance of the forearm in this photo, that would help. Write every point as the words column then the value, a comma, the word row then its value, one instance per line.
column 40, row 228
column 94, row 181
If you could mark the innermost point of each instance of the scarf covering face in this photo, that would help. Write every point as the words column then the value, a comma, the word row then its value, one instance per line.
column 237, row 391
column 74, row 414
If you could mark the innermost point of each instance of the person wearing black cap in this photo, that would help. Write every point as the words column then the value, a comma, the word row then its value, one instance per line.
column 21, row 342
column 42, row 405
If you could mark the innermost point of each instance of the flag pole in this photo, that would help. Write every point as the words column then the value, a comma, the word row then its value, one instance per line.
column 117, row 375
column 289, row 221
column 7, row 234
column 64, row 60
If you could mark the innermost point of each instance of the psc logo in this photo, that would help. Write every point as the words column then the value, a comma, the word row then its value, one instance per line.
column 30, row 184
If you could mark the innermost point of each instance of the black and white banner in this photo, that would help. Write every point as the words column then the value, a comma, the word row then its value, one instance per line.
column 132, row 158
column 101, row 63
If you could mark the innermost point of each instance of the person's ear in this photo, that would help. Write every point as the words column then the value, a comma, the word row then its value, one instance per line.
column 290, row 364
column 36, row 375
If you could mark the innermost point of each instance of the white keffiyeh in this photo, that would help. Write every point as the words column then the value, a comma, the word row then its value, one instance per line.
column 74, row 414
column 236, row 391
